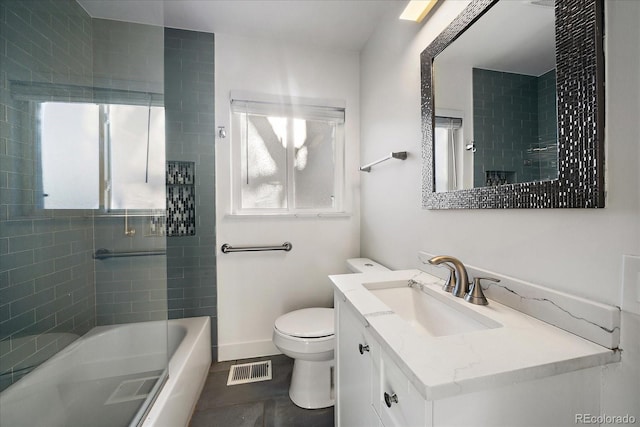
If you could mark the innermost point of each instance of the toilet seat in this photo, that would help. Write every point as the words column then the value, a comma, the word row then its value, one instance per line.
column 308, row 323
column 309, row 348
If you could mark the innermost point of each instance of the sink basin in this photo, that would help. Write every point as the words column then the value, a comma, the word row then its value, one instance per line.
column 428, row 311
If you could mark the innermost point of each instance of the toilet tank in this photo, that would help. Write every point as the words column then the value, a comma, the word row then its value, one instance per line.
column 363, row 265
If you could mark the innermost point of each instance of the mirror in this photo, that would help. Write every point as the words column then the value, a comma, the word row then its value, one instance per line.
column 495, row 102
column 513, row 114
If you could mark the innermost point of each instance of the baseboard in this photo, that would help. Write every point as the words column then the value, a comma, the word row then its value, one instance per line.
column 246, row 350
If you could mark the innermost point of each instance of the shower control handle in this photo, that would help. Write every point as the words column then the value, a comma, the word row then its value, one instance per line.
column 390, row 399
column 363, row 348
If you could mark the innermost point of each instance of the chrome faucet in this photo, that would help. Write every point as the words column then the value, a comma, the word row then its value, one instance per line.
column 461, row 279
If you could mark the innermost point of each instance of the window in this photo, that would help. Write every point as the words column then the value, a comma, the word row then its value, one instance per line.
column 69, row 160
column 287, row 157
column 107, row 156
column 135, row 154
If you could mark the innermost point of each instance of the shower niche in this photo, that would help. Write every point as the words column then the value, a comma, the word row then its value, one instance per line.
column 181, row 199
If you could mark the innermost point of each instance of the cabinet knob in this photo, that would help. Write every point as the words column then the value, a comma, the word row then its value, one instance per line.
column 390, row 399
column 363, row 348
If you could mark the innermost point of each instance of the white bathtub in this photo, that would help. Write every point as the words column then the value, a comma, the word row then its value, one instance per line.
column 188, row 369
column 77, row 385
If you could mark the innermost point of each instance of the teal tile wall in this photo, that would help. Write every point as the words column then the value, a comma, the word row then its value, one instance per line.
column 46, row 270
column 129, row 57
column 513, row 113
column 547, row 163
column 505, row 122
column 129, row 289
column 547, row 107
column 189, row 109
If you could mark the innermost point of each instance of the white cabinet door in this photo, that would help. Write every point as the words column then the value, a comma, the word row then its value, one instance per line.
column 354, row 351
column 401, row 405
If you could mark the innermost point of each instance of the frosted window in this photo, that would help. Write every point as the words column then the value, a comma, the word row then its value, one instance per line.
column 136, row 140
column 314, row 166
column 264, row 162
column 70, row 155
column 125, row 143
column 288, row 161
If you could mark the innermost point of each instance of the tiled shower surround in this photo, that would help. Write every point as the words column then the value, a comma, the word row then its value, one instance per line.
column 189, row 112
column 49, row 282
column 133, row 289
column 128, row 57
column 46, row 270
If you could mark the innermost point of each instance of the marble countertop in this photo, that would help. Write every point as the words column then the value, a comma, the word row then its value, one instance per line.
column 522, row 349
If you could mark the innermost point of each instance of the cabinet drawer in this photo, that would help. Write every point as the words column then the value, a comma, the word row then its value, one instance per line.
column 402, row 406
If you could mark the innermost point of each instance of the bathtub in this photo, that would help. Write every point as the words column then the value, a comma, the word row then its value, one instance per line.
column 78, row 384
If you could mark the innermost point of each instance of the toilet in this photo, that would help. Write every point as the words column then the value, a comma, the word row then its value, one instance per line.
column 308, row 337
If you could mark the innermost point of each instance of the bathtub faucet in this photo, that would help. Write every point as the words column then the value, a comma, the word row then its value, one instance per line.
column 461, row 277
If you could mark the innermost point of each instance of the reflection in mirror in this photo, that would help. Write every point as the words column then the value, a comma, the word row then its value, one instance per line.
column 448, row 138
column 499, row 88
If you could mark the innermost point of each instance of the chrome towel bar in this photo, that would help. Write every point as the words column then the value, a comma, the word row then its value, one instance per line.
column 106, row 253
column 227, row 248
column 402, row 155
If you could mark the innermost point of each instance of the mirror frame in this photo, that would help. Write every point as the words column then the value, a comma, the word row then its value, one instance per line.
column 580, row 100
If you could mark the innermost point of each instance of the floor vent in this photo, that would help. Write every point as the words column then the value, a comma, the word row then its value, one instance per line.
column 132, row 390
column 249, row 373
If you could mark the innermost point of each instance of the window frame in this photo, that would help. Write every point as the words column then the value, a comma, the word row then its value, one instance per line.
column 282, row 106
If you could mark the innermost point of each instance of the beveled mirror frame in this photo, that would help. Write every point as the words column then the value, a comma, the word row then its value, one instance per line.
column 580, row 100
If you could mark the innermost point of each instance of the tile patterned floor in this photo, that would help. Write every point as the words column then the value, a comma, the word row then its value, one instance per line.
column 261, row 404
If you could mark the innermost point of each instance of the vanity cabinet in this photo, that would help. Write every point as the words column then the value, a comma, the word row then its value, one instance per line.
column 365, row 375
column 363, row 379
column 356, row 352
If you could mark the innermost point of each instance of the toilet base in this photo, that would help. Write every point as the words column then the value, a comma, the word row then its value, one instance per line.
column 312, row 384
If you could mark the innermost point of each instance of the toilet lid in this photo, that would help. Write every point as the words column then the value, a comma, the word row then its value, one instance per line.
column 307, row 323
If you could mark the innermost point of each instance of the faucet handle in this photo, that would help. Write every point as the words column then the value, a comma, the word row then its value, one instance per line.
column 451, row 281
column 475, row 295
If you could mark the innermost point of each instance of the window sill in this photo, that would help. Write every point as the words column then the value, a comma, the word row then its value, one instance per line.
column 287, row 215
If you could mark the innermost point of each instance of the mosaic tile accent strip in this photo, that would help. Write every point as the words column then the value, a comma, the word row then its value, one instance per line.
column 181, row 199
column 179, row 173
column 580, row 91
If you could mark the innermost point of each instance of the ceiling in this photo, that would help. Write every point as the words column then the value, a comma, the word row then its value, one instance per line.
column 334, row 24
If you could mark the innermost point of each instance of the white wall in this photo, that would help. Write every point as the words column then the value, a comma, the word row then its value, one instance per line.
column 255, row 288
column 576, row 251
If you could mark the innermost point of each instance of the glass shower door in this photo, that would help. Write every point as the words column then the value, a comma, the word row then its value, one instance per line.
column 83, row 289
